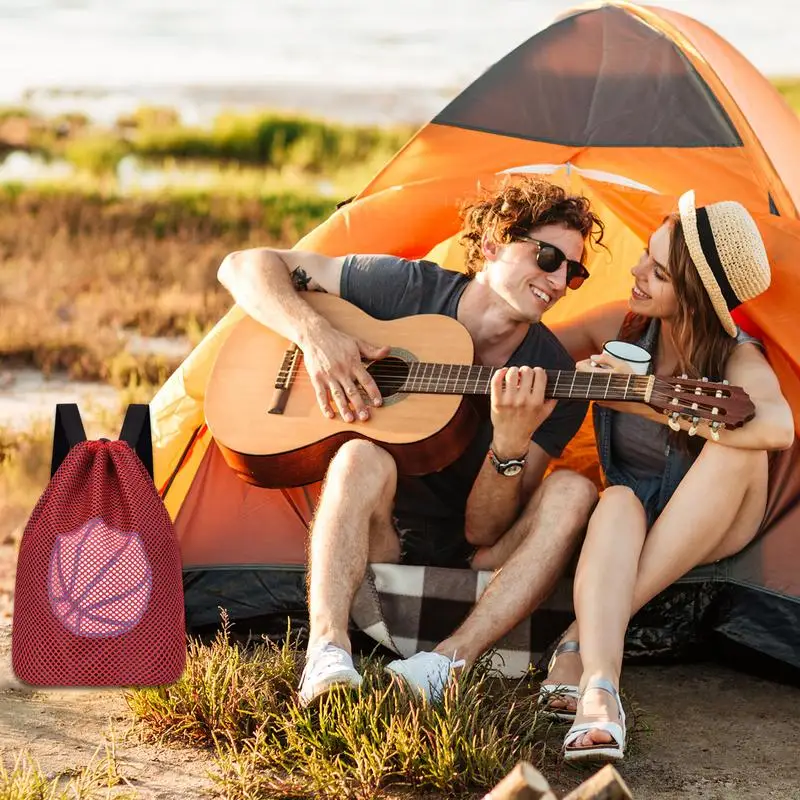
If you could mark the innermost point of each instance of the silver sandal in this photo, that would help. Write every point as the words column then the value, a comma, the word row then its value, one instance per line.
column 608, row 751
column 559, row 691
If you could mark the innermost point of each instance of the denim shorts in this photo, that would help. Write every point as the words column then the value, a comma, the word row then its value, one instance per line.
column 647, row 490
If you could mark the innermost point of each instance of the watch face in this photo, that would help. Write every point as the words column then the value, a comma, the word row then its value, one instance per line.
column 511, row 470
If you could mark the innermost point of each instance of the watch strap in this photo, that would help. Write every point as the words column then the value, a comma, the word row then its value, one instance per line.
column 501, row 465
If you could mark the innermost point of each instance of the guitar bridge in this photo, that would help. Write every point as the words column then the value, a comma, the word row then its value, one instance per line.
column 284, row 380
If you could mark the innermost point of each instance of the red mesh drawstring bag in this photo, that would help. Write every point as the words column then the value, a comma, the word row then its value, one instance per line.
column 99, row 593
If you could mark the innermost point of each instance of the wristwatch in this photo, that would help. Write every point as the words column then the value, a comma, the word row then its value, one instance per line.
column 509, row 466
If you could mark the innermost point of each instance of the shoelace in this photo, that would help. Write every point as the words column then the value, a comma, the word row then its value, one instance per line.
column 452, row 664
column 456, row 664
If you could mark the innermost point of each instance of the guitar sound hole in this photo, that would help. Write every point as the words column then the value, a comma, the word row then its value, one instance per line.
column 389, row 373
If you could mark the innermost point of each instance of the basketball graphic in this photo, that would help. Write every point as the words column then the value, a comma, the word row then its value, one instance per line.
column 99, row 581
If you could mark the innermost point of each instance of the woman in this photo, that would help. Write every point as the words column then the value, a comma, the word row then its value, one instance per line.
column 672, row 502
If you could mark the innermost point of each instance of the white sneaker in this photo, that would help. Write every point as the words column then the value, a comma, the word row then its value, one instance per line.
column 426, row 674
column 327, row 666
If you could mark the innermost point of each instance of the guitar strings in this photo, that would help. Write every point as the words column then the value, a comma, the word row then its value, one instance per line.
column 396, row 370
column 403, row 374
column 704, row 411
column 394, row 381
column 581, row 380
column 402, row 371
column 704, row 402
column 396, row 378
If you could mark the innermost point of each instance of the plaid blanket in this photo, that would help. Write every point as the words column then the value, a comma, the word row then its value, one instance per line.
column 410, row 608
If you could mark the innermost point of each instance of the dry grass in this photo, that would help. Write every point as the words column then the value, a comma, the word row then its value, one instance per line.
column 21, row 778
column 373, row 743
column 78, row 270
column 25, row 458
column 24, row 472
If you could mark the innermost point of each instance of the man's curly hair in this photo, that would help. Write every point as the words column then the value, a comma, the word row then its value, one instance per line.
column 522, row 203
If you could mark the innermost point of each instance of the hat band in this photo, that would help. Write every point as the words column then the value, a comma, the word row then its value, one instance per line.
column 709, row 249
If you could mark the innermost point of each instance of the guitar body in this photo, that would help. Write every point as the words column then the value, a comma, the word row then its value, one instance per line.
column 423, row 432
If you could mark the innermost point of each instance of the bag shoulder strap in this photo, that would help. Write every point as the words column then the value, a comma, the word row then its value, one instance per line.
column 67, row 432
column 136, row 432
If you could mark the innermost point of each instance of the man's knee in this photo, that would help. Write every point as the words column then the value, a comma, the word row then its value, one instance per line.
column 567, row 488
column 362, row 460
column 565, row 495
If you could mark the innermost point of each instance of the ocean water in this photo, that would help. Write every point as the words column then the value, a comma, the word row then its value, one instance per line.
column 375, row 60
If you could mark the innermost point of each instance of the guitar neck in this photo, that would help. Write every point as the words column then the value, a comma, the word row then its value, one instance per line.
column 431, row 378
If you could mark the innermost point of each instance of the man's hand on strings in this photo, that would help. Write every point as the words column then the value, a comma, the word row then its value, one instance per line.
column 334, row 363
column 518, row 408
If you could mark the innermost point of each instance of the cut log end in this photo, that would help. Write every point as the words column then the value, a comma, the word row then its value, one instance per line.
column 607, row 784
column 524, row 782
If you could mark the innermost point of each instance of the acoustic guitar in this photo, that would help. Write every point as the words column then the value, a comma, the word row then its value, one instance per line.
column 262, row 411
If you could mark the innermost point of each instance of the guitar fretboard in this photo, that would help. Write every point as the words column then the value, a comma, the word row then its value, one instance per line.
column 431, row 378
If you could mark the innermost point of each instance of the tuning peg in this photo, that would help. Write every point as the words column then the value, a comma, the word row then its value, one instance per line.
column 673, row 421
column 684, row 377
column 693, row 427
column 704, row 379
column 726, row 383
column 715, row 428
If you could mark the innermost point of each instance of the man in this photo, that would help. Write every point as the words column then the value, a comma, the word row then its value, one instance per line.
column 491, row 508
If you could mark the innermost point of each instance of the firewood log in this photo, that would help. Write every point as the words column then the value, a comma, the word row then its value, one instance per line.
column 607, row 784
column 524, row 782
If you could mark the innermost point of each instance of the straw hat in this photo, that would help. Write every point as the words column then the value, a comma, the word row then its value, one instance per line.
column 727, row 250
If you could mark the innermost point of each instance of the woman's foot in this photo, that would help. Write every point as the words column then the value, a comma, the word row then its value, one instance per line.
column 599, row 729
column 559, row 690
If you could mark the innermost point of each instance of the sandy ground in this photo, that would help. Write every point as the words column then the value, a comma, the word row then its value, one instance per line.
column 63, row 730
column 707, row 732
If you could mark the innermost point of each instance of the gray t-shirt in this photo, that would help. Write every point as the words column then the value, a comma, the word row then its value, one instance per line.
column 387, row 287
column 639, row 445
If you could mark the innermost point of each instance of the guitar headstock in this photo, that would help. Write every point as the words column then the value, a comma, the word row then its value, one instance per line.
column 719, row 405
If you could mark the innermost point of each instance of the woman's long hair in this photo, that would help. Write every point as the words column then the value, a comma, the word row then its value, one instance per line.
column 702, row 344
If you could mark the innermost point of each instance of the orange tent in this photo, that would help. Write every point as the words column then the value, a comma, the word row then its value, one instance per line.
column 631, row 105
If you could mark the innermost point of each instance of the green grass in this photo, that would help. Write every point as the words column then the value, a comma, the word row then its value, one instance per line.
column 272, row 139
column 95, row 163
column 16, row 112
column 266, row 138
column 376, row 742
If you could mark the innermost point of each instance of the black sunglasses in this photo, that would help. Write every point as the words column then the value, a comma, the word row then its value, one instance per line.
column 549, row 258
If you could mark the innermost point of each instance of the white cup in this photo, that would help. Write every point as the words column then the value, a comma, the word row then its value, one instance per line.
column 638, row 358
